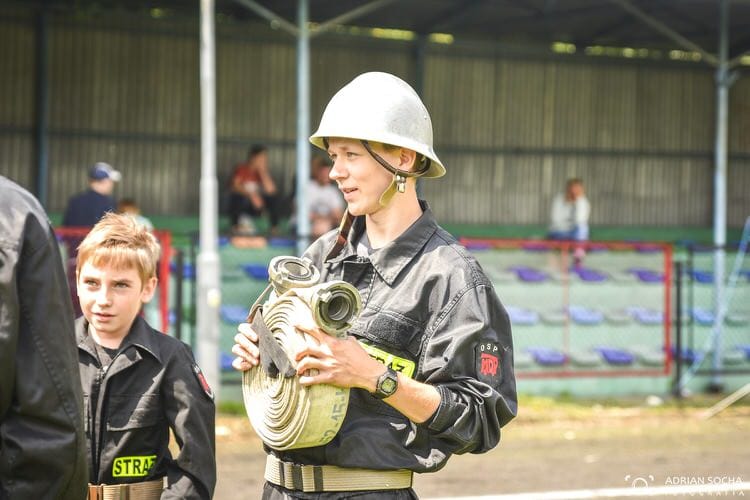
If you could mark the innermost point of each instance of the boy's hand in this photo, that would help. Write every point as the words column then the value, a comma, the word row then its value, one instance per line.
column 245, row 348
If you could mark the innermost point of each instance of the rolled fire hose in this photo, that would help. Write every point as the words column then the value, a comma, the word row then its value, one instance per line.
column 284, row 414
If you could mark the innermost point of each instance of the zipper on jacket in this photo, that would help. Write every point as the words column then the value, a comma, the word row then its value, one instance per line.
column 96, row 424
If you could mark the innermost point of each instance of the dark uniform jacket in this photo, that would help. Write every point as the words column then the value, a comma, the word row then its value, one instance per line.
column 430, row 312
column 152, row 385
column 85, row 209
column 42, row 445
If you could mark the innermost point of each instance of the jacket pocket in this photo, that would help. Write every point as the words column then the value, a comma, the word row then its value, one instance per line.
column 133, row 412
column 395, row 332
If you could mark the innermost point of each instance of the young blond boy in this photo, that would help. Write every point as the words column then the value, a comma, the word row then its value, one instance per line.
column 137, row 382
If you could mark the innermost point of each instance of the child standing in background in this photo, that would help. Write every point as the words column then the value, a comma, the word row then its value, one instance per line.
column 137, row 382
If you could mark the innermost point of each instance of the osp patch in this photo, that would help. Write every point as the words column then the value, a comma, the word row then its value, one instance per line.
column 202, row 381
column 488, row 363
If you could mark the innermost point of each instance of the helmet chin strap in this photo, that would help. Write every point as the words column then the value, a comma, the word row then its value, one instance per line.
column 398, row 184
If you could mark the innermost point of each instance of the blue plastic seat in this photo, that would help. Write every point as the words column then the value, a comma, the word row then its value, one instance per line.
column 688, row 355
column 591, row 275
column 704, row 317
column 647, row 316
column 546, row 356
column 530, row 274
column 522, row 316
column 613, row 356
column 745, row 348
column 702, row 276
column 233, row 314
column 188, row 269
column 647, row 275
column 585, row 315
column 256, row 271
column 225, row 361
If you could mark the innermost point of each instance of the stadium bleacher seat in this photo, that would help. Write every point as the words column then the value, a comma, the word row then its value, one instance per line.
column 522, row 316
column 556, row 317
column 225, row 361
column 586, row 315
column 647, row 275
column 745, row 348
column 256, row 271
column 522, row 360
column 702, row 316
column 614, row 356
column 591, row 275
column 233, row 314
column 530, row 274
column 646, row 316
column 535, row 247
column 688, row 355
column 649, row 355
column 737, row 319
column 702, row 276
column 618, row 317
column 733, row 357
column 188, row 269
column 585, row 358
column 547, row 356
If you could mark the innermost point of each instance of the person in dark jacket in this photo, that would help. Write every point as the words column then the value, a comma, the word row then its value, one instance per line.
column 429, row 361
column 42, row 443
column 86, row 208
column 137, row 382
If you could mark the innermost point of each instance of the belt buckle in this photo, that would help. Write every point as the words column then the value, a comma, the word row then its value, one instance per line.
column 96, row 492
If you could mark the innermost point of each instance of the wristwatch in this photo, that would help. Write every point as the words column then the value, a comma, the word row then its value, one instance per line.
column 387, row 384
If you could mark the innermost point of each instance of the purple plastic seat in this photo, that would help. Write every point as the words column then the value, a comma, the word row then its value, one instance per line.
column 521, row 316
column 703, row 317
column 585, row 315
column 688, row 355
column 546, row 356
column 591, row 275
column 477, row 245
column 647, row 248
column 647, row 275
column 646, row 316
column 531, row 275
column 614, row 356
column 535, row 247
column 702, row 276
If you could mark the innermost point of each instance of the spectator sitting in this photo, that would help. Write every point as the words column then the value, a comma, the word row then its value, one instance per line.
column 323, row 199
column 253, row 192
column 86, row 208
column 130, row 207
column 570, row 213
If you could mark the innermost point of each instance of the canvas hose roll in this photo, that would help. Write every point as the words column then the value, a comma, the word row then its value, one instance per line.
column 285, row 414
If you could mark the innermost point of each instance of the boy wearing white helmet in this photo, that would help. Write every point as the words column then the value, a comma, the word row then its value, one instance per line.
column 429, row 361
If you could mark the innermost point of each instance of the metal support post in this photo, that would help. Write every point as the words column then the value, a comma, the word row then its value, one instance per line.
column 208, row 270
column 42, row 103
column 720, row 187
column 303, row 126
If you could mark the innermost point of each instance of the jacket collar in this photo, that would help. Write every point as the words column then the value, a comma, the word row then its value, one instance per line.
column 140, row 335
column 391, row 259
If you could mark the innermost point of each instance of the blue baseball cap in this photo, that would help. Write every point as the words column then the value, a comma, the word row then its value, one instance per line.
column 101, row 170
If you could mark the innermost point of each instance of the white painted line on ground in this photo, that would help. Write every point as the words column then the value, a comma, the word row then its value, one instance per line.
column 736, row 489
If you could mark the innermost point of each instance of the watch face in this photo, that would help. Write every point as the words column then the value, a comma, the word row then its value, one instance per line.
column 389, row 386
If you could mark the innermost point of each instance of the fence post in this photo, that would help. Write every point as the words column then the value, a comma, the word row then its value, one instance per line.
column 676, row 390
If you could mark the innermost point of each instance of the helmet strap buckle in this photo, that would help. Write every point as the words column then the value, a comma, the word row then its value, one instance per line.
column 400, row 183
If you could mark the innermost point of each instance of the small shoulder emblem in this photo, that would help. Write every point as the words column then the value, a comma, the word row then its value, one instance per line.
column 488, row 363
column 202, row 381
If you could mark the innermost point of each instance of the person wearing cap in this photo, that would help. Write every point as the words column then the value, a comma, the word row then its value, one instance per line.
column 429, row 361
column 86, row 208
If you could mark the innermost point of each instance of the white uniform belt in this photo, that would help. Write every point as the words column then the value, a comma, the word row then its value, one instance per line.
column 145, row 490
column 316, row 478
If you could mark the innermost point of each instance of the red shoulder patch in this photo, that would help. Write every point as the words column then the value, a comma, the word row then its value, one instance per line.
column 202, row 381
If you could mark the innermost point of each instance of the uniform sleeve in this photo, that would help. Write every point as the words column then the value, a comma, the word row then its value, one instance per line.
column 40, row 393
column 191, row 413
column 469, row 359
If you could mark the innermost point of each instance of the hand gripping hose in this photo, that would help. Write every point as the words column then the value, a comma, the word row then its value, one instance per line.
column 284, row 414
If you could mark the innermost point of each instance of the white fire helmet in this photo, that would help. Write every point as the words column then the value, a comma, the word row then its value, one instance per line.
column 381, row 107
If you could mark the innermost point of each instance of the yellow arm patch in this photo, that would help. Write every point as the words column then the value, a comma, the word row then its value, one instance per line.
column 405, row 366
column 138, row 466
